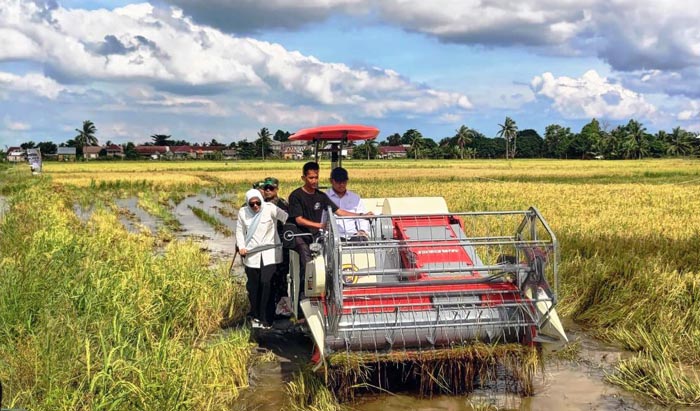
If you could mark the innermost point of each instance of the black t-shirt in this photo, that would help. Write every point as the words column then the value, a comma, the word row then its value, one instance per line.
column 309, row 206
column 284, row 206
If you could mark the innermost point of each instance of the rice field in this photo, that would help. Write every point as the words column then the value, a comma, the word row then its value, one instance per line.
column 629, row 234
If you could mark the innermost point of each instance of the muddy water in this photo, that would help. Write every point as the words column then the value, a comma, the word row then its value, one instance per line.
column 139, row 218
column 268, row 380
column 83, row 214
column 219, row 245
column 565, row 386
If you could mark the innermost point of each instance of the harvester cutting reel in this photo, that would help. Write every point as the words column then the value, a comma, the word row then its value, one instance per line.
column 423, row 281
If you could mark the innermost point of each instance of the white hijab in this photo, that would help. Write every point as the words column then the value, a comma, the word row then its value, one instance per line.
column 251, row 194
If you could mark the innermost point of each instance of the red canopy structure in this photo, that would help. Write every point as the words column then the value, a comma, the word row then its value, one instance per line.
column 335, row 136
column 338, row 132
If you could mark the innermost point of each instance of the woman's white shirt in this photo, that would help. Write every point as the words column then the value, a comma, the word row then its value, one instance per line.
column 265, row 234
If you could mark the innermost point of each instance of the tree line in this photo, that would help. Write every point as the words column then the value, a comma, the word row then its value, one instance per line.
column 595, row 140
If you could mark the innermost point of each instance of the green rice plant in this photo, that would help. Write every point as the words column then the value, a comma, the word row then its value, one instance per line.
column 156, row 204
column 211, row 220
column 628, row 230
column 571, row 352
column 666, row 382
column 307, row 392
column 94, row 319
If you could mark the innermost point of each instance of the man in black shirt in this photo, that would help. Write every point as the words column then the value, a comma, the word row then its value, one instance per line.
column 306, row 207
column 270, row 189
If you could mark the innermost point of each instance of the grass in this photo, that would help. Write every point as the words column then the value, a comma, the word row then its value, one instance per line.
column 92, row 318
column 307, row 392
column 658, row 378
column 156, row 204
column 211, row 220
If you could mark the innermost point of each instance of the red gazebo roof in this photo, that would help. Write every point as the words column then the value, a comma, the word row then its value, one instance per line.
column 349, row 132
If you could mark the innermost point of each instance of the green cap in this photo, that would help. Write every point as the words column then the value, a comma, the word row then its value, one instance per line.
column 270, row 181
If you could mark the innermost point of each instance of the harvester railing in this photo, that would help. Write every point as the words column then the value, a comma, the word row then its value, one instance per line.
column 424, row 272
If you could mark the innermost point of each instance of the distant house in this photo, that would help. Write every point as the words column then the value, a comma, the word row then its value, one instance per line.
column 293, row 150
column 209, row 151
column 16, row 154
column 91, row 152
column 33, row 154
column 114, row 150
column 276, row 148
column 183, row 152
column 387, row 152
column 230, row 154
column 152, row 152
column 66, row 154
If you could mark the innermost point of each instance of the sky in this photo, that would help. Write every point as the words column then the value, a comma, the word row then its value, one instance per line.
column 222, row 69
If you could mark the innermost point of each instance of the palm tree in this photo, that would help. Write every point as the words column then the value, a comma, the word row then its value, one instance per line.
column 509, row 132
column 636, row 143
column 470, row 152
column 264, row 138
column 161, row 139
column 464, row 136
column 371, row 147
column 416, row 144
column 679, row 142
column 86, row 136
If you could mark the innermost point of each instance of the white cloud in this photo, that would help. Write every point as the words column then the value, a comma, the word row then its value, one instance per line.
column 450, row 118
column 591, row 96
column 33, row 83
column 278, row 113
column 629, row 34
column 245, row 16
column 493, row 22
column 15, row 125
column 691, row 112
column 169, row 51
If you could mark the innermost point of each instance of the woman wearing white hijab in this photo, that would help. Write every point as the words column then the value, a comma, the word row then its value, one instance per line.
column 260, row 248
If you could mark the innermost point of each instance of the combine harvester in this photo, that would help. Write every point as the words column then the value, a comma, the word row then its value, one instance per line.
column 434, row 300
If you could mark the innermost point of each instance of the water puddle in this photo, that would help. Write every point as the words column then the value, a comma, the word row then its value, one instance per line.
column 83, row 214
column 569, row 386
column 136, row 219
column 220, row 246
column 268, row 380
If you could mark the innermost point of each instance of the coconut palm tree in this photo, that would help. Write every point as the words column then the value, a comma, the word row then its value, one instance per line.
column 464, row 136
column 264, row 138
column 86, row 136
column 509, row 131
column 636, row 143
column 371, row 148
column 679, row 142
column 416, row 144
column 161, row 139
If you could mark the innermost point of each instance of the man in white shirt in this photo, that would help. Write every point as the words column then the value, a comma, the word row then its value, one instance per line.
column 348, row 229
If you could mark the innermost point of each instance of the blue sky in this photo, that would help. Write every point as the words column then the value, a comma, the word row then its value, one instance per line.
column 223, row 69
